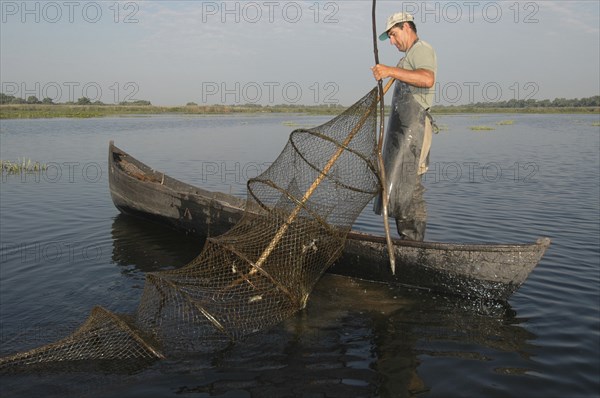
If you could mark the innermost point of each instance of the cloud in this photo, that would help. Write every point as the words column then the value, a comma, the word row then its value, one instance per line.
column 175, row 46
column 577, row 15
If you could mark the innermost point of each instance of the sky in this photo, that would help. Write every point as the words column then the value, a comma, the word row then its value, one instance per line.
column 291, row 52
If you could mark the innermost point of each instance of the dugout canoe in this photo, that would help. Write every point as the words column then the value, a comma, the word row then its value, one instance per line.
column 488, row 271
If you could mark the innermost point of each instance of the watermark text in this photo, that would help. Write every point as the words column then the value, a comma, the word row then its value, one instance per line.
column 69, row 11
column 71, row 91
column 474, row 172
column 269, row 11
column 54, row 172
column 54, row 252
column 472, row 11
column 269, row 92
column 472, row 92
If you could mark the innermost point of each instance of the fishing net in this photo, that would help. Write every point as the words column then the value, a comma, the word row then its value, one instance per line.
column 297, row 216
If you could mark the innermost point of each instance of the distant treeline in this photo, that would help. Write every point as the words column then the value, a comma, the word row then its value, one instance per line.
column 33, row 100
column 513, row 103
column 34, row 111
column 530, row 103
column 192, row 107
column 32, row 107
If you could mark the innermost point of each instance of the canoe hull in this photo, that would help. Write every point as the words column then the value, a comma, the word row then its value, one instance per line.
column 475, row 270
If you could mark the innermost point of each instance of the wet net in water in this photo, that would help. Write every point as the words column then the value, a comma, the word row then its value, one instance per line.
column 297, row 216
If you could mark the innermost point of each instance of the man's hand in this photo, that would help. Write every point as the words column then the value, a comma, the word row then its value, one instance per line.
column 418, row 78
column 381, row 71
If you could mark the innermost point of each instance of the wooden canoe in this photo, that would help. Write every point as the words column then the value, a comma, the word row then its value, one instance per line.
column 489, row 271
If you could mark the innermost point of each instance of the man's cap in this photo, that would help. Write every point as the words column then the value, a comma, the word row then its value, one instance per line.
column 393, row 20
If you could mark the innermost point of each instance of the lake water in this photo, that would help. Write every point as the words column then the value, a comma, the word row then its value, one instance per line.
column 65, row 248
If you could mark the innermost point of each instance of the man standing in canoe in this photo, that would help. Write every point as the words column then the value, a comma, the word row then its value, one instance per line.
column 408, row 136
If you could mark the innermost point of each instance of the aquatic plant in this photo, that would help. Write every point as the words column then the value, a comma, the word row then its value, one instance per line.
column 290, row 123
column 21, row 166
column 482, row 128
column 505, row 122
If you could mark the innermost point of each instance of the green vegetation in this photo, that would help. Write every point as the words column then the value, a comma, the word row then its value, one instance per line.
column 442, row 127
column 505, row 122
column 595, row 124
column 30, row 111
column 296, row 125
column 558, row 105
column 21, row 166
column 18, row 108
column 456, row 110
column 482, row 128
column 290, row 123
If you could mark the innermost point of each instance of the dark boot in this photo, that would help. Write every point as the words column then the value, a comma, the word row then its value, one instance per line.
column 411, row 229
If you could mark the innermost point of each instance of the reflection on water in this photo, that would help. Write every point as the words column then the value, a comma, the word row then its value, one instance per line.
column 150, row 247
column 354, row 338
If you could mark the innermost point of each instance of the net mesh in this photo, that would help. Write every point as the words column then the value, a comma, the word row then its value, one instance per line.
column 297, row 216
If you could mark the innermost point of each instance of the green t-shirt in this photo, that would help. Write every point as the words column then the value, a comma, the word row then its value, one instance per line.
column 421, row 56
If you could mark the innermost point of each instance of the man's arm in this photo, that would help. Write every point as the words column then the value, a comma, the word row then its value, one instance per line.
column 422, row 78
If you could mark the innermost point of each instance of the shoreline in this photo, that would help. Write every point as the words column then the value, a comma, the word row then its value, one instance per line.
column 41, row 111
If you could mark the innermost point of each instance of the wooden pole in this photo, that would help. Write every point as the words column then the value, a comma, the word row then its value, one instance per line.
column 384, row 192
column 257, row 266
column 310, row 191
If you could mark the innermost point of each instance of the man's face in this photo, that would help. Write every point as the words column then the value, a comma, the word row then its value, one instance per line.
column 399, row 37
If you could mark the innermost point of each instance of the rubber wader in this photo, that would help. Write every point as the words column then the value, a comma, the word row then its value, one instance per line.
column 404, row 164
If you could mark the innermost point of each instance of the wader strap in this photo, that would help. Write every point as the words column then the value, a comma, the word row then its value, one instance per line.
column 434, row 126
